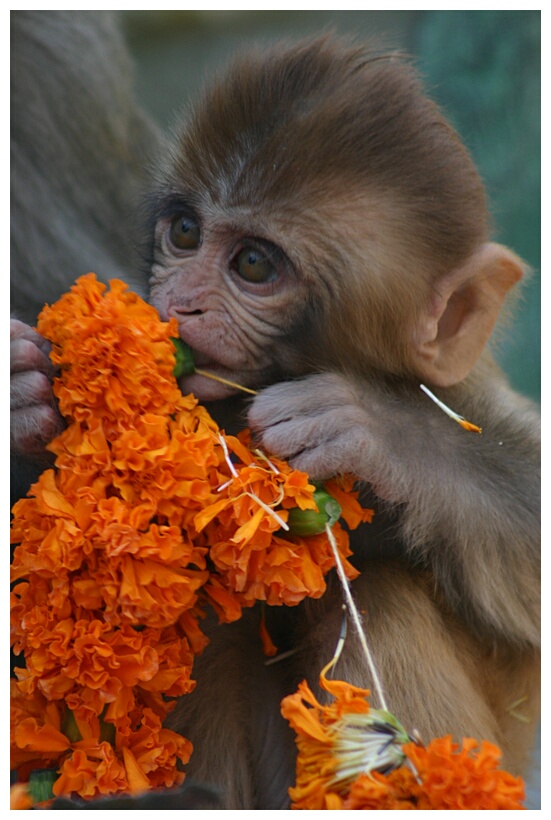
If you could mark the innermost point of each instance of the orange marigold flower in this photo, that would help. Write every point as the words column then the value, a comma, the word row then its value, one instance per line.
column 147, row 592
column 245, row 528
column 119, row 356
column 92, row 769
column 36, row 736
column 277, row 569
column 335, row 741
column 157, row 751
column 397, row 790
column 461, row 778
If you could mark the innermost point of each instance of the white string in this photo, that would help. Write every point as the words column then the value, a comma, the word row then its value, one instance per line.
column 269, row 510
column 356, row 617
column 229, row 462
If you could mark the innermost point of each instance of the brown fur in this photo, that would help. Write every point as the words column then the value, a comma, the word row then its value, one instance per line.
column 336, row 155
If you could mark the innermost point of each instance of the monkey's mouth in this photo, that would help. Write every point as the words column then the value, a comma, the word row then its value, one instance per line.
column 204, row 361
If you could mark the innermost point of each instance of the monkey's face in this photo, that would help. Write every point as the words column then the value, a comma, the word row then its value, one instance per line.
column 307, row 214
column 234, row 294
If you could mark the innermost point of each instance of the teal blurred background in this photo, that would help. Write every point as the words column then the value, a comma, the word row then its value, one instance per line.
column 483, row 67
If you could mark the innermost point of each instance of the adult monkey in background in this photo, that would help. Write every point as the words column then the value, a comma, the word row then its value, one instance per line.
column 320, row 228
column 79, row 144
column 79, row 149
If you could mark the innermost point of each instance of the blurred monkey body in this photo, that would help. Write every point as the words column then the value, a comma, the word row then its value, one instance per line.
column 320, row 234
column 79, row 146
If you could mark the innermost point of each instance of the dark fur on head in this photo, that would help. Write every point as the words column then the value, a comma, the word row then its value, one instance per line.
column 328, row 136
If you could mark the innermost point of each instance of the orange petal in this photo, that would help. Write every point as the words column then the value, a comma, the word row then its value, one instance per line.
column 352, row 511
column 137, row 781
column 246, row 532
column 29, row 736
column 202, row 518
column 302, row 719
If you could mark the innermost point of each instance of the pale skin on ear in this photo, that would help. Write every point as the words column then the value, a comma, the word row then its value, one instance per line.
column 463, row 314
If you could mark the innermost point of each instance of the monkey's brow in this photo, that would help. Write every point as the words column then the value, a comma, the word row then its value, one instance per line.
column 173, row 203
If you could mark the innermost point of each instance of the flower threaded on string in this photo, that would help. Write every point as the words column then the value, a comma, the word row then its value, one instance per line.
column 353, row 757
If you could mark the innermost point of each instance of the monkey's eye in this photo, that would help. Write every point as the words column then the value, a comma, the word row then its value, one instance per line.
column 255, row 265
column 185, row 233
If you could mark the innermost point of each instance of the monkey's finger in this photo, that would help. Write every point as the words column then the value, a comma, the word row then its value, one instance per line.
column 320, row 463
column 25, row 355
column 303, row 397
column 288, row 438
column 19, row 330
column 30, row 388
column 31, row 429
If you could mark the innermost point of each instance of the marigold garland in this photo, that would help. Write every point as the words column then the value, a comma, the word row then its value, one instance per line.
column 143, row 521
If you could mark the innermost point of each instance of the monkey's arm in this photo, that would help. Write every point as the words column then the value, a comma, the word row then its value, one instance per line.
column 468, row 503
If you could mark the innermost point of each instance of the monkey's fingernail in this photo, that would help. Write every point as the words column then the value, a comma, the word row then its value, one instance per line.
column 455, row 416
column 310, row 522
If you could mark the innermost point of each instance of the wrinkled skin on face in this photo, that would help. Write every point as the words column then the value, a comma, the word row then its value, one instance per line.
column 233, row 298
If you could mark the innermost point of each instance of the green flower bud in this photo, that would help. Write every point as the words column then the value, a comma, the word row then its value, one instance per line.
column 310, row 522
column 184, row 359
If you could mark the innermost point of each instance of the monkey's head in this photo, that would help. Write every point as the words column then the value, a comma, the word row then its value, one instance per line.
column 318, row 212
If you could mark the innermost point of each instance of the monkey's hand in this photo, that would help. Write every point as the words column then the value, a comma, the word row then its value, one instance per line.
column 319, row 424
column 468, row 504
column 34, row 417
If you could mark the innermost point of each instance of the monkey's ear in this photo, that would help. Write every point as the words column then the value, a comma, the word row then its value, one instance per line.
column 463, row 311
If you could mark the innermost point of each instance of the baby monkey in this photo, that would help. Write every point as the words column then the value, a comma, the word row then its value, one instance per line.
column 320, row 233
